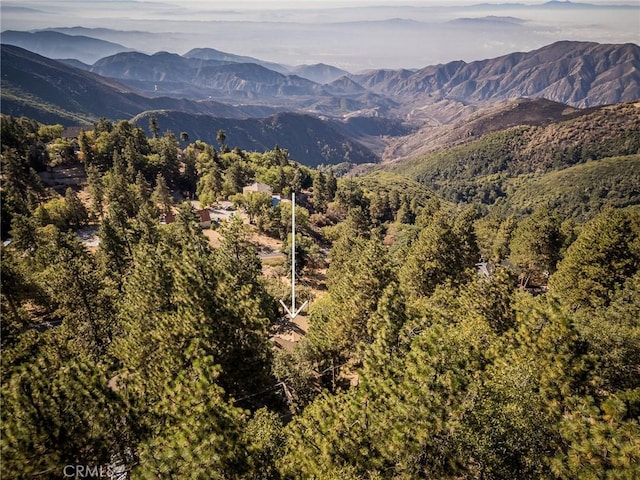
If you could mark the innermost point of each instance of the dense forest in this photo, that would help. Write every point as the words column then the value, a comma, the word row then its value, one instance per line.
column 451, row 338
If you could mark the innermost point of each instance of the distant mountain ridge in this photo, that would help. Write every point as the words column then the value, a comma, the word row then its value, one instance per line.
column 91, row 45
column 56, row 45
column 580, row 74
column 169, row 72
column 54, row 92
column 224, row 57
column 319, row 72
column 560, row 4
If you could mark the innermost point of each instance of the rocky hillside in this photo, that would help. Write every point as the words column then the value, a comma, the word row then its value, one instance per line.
column 474, row 122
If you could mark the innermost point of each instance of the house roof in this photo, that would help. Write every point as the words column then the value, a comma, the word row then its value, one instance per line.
column 204, row 216
column 257, row 187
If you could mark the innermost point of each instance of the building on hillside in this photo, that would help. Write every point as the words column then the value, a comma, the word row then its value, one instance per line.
column 204, row 217
column 257, row 187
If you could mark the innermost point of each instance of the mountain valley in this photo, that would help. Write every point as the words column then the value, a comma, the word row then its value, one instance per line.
column 370, row 117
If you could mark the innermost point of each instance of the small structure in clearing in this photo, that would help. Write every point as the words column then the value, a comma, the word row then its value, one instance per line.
column 257, row 187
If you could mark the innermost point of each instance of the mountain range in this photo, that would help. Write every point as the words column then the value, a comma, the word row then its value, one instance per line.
column 327, row 115
column 580, row 74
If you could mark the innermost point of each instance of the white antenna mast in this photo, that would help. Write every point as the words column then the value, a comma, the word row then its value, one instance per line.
column 293, row 313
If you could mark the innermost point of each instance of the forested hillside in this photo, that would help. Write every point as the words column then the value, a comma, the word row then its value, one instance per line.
column 508, row 162
column 445, row 339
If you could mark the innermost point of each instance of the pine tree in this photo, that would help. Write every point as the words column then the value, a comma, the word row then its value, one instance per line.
column 77, row 213
column 603, row 256
column 384, row 328
column 58, row 413
column 22, row 188
column 265, row 441
column 118, row 188
column 162, row 196
column 68, row 274
column 320, row 193
column 200, row 435
column 96, row 189
column 142, row 191
column 444, row 251
column 154, row 128
column 535, row 247
column 115, row 250
column 209, row 186
column 603, row 439
column 339, row 324
column 168, row 147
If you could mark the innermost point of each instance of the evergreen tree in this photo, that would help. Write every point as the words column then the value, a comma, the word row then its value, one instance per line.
column 265, row 440
column 58, row 413
column 603, row 256
column 162, row 195
column 320, row 192
column 339, row 324
column 221, row 138
column 118, row 188
column 535, row 247
column 115, row 251
column 154, row 128
column 233, row 180
column 379, row 209
column 17, row 293
column 168, row 147
column 209, row 186
column 96, row 189
column 77, row 213
column 444, row 251
column 602, row 439
column 142, row 191
column 201, row 434
column 384, row 328
column 68, row 274
column 22, row 188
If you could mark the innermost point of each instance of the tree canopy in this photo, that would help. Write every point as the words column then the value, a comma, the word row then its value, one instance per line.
column 444, row 341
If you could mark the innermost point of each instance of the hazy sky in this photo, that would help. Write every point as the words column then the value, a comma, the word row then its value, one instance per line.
column 354, row 35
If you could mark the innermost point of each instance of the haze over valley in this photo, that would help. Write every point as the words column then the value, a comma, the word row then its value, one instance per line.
column 352, row 36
